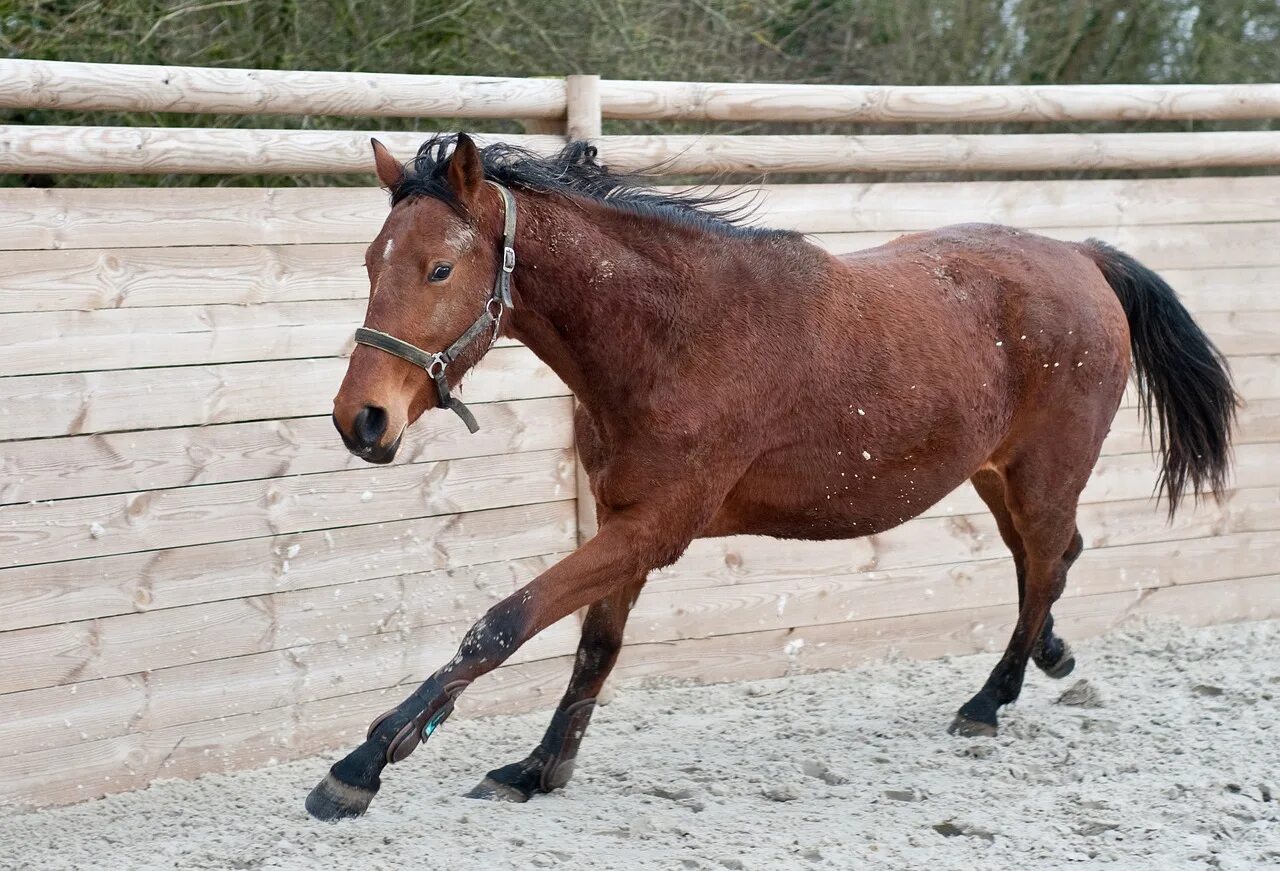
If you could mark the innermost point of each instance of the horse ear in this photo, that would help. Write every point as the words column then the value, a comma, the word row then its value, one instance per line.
column 390, row 171
column 466, row 170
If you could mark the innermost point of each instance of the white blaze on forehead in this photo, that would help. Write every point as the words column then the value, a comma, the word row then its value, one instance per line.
column 386, row 252
column 459, row 236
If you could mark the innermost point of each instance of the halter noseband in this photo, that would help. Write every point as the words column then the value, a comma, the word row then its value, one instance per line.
column 499, row 301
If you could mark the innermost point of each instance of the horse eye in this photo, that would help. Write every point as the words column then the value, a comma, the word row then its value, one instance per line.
column 440, row 272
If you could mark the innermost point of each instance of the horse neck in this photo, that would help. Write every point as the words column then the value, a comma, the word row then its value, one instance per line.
column 588, row 302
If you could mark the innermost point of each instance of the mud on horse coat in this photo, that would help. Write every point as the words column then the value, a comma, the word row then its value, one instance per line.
column 734, row 380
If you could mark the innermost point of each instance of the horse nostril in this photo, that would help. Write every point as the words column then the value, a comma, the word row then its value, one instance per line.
column 369, row 425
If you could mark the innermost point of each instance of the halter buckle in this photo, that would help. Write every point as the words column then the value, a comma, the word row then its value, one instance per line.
column 508, row 259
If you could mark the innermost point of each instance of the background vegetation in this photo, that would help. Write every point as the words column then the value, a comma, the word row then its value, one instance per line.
column 834, row 41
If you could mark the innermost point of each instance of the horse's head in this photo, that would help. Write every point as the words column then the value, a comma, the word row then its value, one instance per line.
column 432, row 275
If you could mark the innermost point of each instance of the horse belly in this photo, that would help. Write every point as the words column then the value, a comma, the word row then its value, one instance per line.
column 845, row 495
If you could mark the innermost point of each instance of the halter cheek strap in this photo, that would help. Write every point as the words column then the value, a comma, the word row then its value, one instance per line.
column 437, row 364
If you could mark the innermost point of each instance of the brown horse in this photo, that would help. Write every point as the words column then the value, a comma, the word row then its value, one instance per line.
column 740, row 380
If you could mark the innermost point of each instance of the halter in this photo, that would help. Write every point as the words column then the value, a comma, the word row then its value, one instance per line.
column 499, row 301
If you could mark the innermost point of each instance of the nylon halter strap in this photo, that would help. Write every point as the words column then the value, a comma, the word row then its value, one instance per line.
column 490, row 319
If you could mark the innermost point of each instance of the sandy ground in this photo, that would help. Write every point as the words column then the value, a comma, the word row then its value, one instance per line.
column 1172, row 761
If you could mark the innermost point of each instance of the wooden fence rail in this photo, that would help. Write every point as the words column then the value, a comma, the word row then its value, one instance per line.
column 577, row 105
column 868, row 104
column 50, row 149
column 38, row 84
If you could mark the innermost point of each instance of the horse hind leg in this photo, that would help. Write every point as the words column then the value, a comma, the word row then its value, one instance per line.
column 1051, row 655
column 551, row 763
column 1039, row 495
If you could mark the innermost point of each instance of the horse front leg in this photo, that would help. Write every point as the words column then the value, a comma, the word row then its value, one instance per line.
column 551, row 763
column 628, row 545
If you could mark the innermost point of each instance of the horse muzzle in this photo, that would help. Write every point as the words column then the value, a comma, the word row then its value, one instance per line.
column 367, row 431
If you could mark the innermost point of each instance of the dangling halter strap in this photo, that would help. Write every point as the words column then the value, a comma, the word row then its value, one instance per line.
column 490, row 319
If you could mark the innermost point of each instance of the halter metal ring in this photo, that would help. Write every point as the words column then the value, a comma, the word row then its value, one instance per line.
column 436, row 360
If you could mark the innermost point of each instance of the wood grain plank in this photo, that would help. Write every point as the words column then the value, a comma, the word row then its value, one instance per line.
column 47, row 84
column 241, row 150
column 770, row 101
column 1226, row 289
column 114, row 218
column 108, row 278
column 74, row 341
column 949, row 542
column 53, row 593
column 1257, row 421
column 914, row 206
column 37, row 406
column 1027, row 152
column 94, row 526
column 88, row 218
column 345, row 646
column 666, row 615
column 34, row 343
column 1174, row 246
column 91, row 465
column 313, row 659
column 775, row 653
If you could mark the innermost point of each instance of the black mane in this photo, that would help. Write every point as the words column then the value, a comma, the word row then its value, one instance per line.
column 575, row 171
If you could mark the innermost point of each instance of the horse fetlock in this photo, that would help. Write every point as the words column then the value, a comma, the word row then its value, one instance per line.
column 520, row 781
column 549, row 767
column 397, row 732
column 401, row 733
column 517, row 782
column 560, row 744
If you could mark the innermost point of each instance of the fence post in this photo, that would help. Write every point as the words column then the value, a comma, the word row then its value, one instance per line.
column 583, row 107
column 583, row 121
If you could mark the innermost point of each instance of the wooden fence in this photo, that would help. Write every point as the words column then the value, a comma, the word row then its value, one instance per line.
column 197, row 577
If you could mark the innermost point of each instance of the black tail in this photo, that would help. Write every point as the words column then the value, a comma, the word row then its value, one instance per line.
column 1182, row 378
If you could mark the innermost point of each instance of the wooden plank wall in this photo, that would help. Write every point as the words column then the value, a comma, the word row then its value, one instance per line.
column 195, row 576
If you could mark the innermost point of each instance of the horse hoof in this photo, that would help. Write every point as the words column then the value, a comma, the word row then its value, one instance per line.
column 1064, row 666
column 333, row 800
column 967, row 728
column 491, row 790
